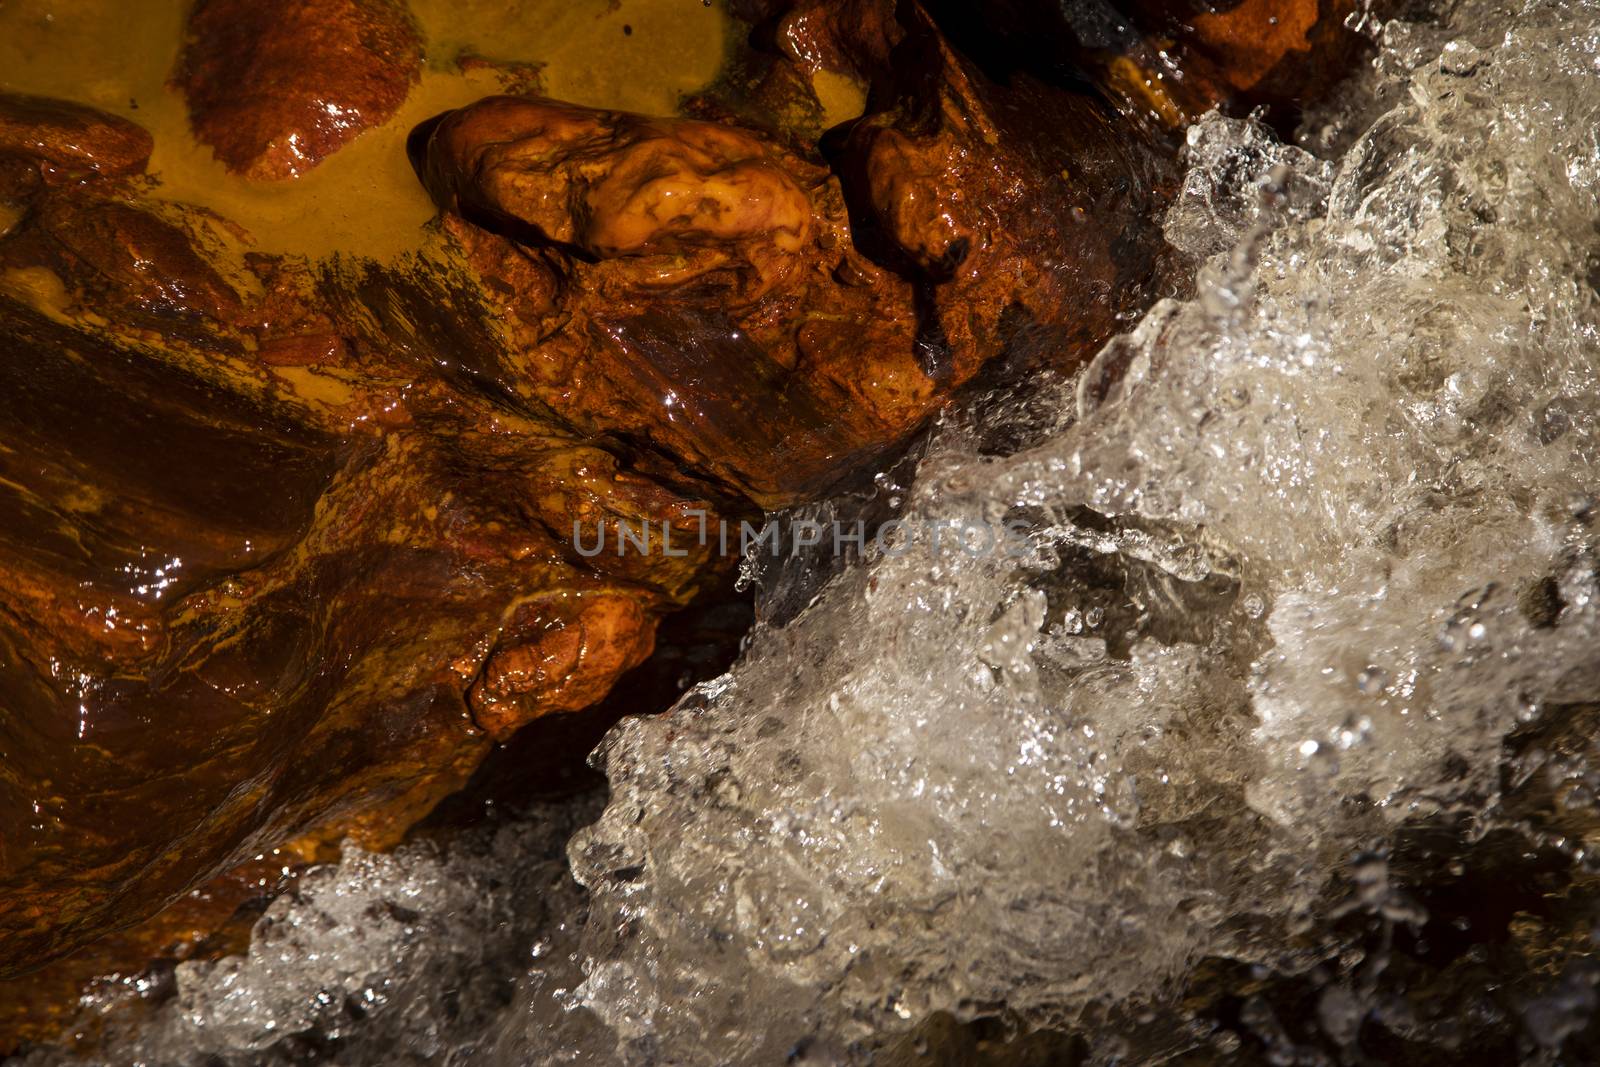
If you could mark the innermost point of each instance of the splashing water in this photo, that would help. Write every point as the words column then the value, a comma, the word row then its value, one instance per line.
column 1310, row 510
column 1304, row 551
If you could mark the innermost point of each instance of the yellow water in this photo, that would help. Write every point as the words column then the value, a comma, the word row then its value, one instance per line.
column 364, row 199
column 841, row 96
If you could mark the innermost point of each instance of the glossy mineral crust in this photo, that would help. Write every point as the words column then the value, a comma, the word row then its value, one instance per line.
column 1277, row 744
column 289, row 545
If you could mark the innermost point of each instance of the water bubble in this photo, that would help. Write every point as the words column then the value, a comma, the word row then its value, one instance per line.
column 1460, row 58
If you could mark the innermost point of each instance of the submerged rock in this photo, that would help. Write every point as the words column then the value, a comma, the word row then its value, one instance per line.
column 68, row 142
column 276, row 88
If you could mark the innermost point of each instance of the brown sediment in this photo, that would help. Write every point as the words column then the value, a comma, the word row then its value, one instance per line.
column 363, row 200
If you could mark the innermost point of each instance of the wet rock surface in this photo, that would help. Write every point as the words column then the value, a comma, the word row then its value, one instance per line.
column 1232, row 765
column 289, row 546
column 228, row 552
column 1274, row 747
column 797, row 316
column 66, row 141
column 275, row 88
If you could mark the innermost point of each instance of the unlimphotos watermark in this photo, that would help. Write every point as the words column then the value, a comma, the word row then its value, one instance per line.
column 893, row 537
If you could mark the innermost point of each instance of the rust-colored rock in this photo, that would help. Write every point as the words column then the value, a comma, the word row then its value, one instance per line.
column 693, row 200
column 1256, row 36
column 68, row 141
column 562, row 652
column 1165, row 60
column 246, row 595
column 285, row 550
column 126, row 259
column 791, row 320
column 276, row 88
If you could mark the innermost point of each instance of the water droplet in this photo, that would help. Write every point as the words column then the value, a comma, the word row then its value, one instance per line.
column 1460, row 58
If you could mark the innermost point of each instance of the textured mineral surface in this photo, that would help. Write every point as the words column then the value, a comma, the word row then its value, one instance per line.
column 1275, row 745
column 1272, row 741
column 289, row 541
